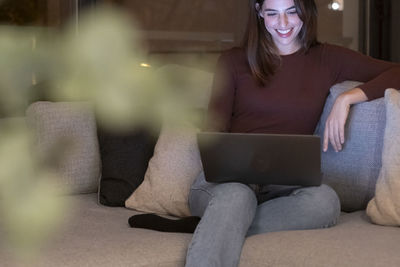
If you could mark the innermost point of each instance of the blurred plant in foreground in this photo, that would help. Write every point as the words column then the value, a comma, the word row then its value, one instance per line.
column 29, row 206
column 100, row 64
column 103, row 64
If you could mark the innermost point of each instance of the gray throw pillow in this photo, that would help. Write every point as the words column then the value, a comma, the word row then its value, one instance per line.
column 67, row 140
column 353, row 172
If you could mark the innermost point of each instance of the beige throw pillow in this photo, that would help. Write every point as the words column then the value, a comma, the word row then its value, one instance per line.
column 384, row 208
column 171, row 171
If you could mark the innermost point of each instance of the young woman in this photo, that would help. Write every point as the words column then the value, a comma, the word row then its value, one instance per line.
column 277, row 83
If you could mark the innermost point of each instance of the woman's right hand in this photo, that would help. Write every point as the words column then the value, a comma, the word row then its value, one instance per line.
column 334, row 126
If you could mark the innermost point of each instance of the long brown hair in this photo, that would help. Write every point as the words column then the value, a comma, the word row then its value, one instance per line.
column 262, row 53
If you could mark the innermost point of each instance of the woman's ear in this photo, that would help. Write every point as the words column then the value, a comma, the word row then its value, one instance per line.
column 258, row 10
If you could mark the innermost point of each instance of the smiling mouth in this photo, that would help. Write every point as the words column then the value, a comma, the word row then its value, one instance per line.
column 285, row 33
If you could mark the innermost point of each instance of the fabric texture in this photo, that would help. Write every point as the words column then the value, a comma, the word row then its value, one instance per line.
column 384, row 208
column 353, row 172
column 96, row 235
column 67, row 140
column 171, row 171
column 124, row 157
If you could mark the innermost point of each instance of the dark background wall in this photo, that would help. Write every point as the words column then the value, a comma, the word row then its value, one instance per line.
column 211, row 26
column 395, row 33
column 384, row 29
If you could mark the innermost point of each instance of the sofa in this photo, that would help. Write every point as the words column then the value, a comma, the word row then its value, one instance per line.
column 96, row 235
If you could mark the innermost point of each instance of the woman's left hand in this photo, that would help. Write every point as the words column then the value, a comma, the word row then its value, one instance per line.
column 334, row 126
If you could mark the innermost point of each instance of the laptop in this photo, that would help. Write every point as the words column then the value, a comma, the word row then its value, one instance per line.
column 261, row 158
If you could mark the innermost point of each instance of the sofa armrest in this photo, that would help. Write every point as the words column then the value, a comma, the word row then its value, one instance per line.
column 353, row 172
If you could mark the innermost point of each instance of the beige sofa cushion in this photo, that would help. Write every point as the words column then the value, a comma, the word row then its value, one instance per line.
column 67, row 140
column 89, row 238
column 384, row 208
column 171, row 171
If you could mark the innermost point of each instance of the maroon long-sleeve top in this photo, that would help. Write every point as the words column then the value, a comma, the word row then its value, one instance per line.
column 293, row 99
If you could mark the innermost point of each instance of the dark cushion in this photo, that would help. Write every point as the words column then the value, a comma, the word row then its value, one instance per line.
column 124, row 157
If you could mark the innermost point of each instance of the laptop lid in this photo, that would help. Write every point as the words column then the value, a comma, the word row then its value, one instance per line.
column 261, row 158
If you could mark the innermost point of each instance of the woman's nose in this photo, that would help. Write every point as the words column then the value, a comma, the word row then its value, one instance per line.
column 283, row 20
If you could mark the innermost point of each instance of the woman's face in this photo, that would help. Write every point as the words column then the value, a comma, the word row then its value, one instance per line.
column 283, row 23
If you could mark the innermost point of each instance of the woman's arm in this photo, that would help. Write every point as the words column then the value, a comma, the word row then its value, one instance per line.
column 348, row 65
column 377, row 75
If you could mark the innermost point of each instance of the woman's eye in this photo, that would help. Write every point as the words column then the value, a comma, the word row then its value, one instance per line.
column 271, row 14
column 292, row 12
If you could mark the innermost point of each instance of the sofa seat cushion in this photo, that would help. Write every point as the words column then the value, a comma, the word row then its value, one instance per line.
column 100, row 236
column 354, row 241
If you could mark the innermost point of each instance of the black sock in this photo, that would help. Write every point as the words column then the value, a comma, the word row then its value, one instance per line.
column 158, row 223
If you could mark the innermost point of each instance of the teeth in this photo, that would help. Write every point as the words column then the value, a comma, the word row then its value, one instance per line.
column 283, row 32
